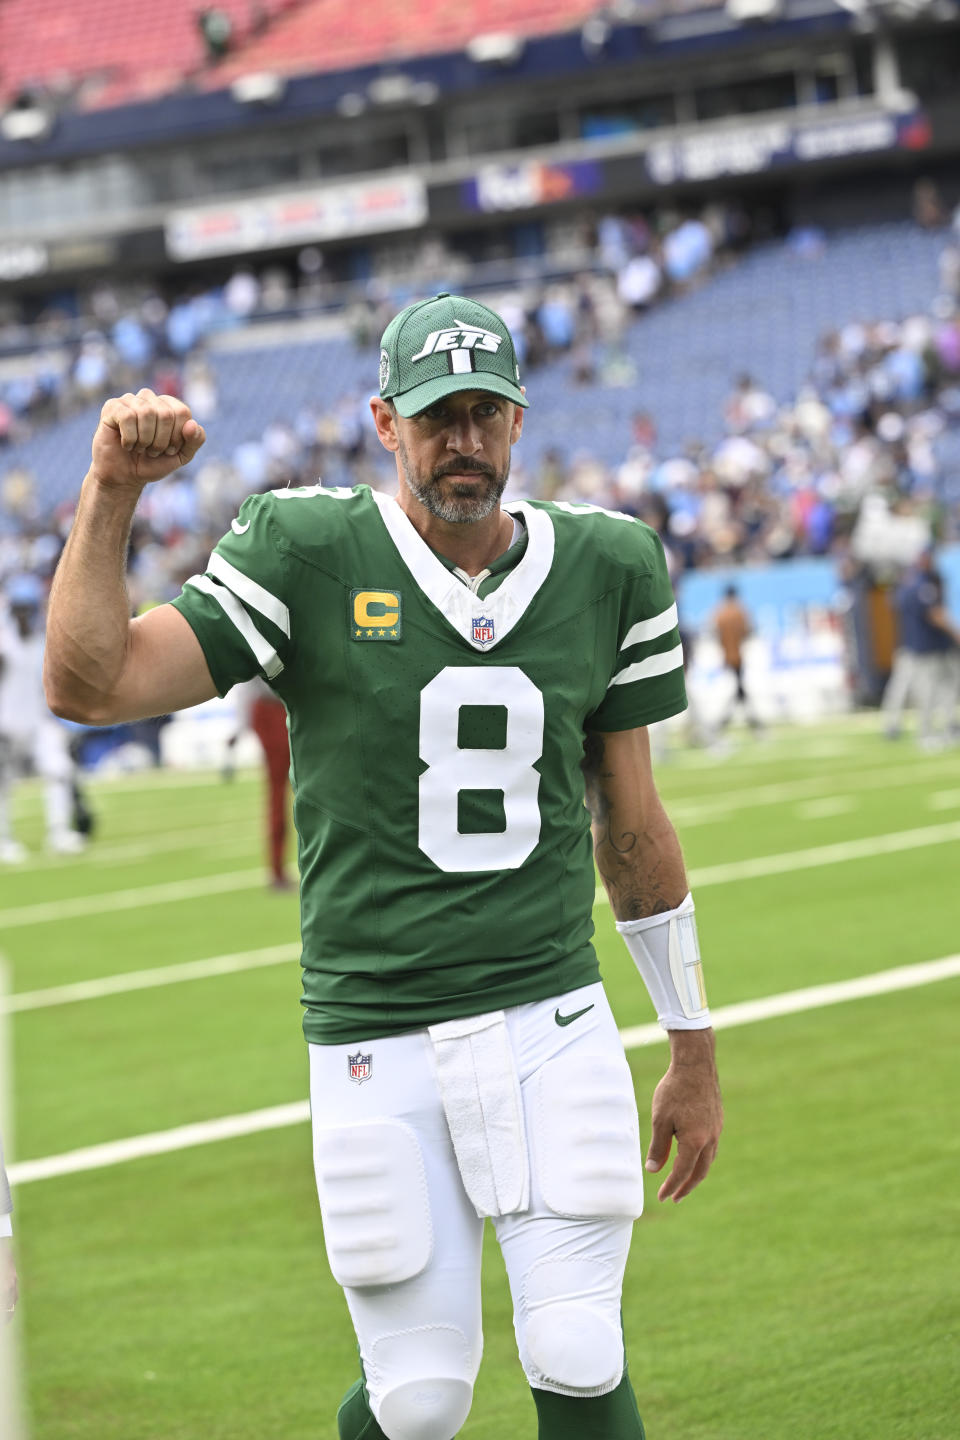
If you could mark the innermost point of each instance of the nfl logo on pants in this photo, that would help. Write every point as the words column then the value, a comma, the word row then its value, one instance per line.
column 359, row 1067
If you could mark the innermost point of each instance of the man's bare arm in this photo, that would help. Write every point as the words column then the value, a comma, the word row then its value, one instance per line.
column 641, row 865
column 101, row 667
column 636, row 847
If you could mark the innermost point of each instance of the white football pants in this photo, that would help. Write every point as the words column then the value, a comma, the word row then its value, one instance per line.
column 404, row 1238
column 46, row 748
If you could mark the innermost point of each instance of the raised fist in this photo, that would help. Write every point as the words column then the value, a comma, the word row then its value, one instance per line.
column 144, row 437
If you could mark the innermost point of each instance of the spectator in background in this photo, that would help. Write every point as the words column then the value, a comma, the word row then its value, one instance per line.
column 732, row 626
column 687, row 251
column 29, row 734
column 928, row 209
column 260, row 710
column 925, row 659
column 216, row 28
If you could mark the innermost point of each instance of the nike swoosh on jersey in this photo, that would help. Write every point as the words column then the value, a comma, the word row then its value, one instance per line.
column 239, row 529
column 569, row 1019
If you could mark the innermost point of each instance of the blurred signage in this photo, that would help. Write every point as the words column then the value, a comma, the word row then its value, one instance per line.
column 93, row 253
column 330, row 212
column 750, row 149
column 17, row 262
column 529, row 184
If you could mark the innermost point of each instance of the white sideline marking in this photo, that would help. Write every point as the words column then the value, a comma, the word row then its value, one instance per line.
column 204, row 1132
column 130, row 899
column 148, row 979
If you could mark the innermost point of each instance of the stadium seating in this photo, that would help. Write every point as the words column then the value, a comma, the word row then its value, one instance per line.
column 107, row 52
column 102, row 52
column 336, row 34
column 764, row 316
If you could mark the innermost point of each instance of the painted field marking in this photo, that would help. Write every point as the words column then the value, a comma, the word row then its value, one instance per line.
column 826, row 807
column 174, row 890
column 713, row 807
column 836, row 854
column 944, row 800
column 150, row 979
column 223, row 838
column 205, row 1132
column 132, row 899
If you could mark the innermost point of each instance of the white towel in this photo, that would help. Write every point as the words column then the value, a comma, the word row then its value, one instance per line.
column 480, row 1092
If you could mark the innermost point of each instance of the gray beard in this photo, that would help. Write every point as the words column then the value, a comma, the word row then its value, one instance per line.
column 455, row 507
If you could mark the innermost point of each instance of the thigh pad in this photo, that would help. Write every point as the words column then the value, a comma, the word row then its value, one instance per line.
column 374, row 1201
column 586, row 1136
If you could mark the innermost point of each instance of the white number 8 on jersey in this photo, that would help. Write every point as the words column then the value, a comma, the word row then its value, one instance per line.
column 453, row 768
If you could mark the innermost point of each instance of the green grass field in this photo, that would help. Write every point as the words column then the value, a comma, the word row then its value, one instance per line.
column 808, row 1291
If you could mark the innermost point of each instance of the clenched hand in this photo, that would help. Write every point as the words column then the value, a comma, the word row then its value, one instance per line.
column 143, row 437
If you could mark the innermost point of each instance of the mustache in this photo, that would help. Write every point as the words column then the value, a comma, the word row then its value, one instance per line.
column 464, row 467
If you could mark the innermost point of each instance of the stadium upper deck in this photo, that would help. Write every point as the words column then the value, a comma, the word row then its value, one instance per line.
column 101, row 53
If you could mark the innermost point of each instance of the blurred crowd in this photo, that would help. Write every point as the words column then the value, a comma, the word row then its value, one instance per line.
column 848, row 466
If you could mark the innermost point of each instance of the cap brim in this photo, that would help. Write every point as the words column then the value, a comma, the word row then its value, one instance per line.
column 421, row 397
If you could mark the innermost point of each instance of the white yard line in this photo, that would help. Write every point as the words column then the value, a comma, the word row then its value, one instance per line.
column 815, row 997
column 192, row 837
column 703, row 810
column 165, row 894
column 837, row 854
column 52, row 910
column 148, row 979
column 944, row 800
column 826, row 807
column 205, row 1132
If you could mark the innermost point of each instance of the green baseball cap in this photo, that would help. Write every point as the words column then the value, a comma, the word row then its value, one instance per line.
column 442, row 345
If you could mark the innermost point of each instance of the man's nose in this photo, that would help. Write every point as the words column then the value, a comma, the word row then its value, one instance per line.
column 464, row 436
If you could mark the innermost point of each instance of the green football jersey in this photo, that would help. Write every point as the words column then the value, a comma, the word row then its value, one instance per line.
column 436, row 738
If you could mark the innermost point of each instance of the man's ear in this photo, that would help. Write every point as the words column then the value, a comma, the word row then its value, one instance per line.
column 517, row 424
column 385, row 419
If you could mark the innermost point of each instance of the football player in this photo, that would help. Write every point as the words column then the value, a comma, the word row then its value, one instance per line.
column 456, row 671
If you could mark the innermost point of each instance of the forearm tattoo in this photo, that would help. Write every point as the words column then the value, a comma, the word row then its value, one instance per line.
column 638, row 874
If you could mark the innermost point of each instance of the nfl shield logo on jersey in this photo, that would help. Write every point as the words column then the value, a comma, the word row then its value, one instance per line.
column 483, row 630
column 360, row 1067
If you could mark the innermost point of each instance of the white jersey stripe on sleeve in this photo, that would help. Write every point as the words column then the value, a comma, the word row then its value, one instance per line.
column 653, row 665
column 650, row 629
column 264, row 653
column 250, row 592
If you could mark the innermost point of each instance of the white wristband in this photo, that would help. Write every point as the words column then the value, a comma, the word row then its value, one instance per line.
column 6, row 1227
column 666, row 951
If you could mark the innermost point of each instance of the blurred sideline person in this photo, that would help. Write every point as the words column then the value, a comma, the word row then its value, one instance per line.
column 732, row 627
column 29, row 735
column 8, row 1265
column 926, row 660
column 260, row 710
column 455, row 672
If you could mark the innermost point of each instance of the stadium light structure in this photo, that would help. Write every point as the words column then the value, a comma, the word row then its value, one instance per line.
column 27, row 122
column 260, row 88
column 496, row 48
column 401, row 89
column 750, row 12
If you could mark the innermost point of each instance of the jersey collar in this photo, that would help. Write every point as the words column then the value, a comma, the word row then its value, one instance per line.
column 456, row 603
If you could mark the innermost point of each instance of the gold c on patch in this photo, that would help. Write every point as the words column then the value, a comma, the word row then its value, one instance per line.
column 375, row 615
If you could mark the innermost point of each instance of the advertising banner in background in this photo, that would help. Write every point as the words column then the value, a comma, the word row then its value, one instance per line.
column 297, row 217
